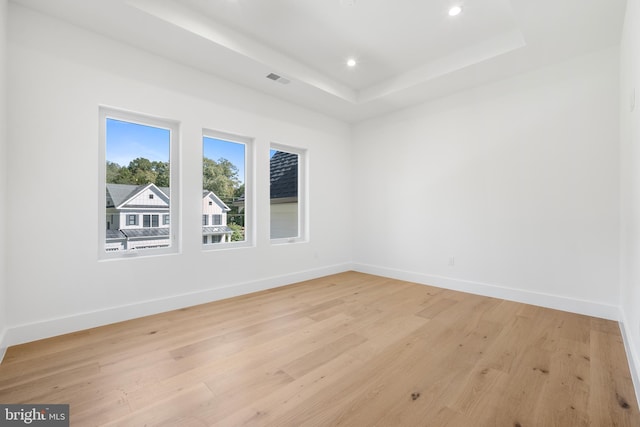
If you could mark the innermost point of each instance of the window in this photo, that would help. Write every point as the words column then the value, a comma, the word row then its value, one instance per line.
column 204, row 239
column 150, row 220
column 227, row 187
column 205, row 219
column 287, row 194
column 138, row 170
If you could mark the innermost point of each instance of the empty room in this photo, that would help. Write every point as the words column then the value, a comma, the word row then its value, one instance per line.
column 319, row 213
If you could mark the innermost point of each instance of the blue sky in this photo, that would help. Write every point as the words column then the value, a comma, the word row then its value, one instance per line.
column 127, row 141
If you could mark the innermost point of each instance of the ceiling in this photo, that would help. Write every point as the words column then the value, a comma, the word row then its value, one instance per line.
column 408, row 51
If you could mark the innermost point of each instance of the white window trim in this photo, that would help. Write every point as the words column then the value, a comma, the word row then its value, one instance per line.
column 174, row 211
column 303, row 191
column 249, row 189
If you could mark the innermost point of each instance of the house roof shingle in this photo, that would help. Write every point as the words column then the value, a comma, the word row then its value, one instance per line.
column 114, row 234
column 219, row 229
column 284, row 175
column 120, row 193
column 133, row 233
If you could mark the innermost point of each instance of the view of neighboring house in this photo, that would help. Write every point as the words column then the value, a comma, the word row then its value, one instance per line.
column 214, row 219
column 138, row 217
column 284, row 194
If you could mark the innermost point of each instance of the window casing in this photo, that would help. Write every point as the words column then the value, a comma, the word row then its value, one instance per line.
column 228, row 188
column 160, row 192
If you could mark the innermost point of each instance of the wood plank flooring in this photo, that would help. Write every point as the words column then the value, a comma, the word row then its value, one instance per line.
column 344, row 350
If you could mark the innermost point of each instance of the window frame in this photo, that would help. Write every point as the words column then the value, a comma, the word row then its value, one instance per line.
column 173, row 126
column 303, row 192
column 249, row 188
column 132, row 219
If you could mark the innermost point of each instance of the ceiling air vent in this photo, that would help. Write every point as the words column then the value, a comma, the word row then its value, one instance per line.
column 277, row 78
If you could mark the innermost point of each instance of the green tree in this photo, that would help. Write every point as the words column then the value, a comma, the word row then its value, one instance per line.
column 113, row 171
column 221, row 177
column 239, row 192
column 238, row 232
column 162, row 173
column 142, row 171
column 124, row 177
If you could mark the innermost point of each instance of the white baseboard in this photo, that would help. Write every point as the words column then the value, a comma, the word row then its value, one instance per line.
column 589, row 308
column 630, row 346
column 3, row 346
column 62, row 325
column 57, row 326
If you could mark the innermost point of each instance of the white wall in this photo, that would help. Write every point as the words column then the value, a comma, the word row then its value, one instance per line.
column 630, row 185
column 58, row 77
column 516, row 180
column 3, row 170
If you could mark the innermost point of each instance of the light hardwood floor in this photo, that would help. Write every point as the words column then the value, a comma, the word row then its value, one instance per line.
column 350, row 349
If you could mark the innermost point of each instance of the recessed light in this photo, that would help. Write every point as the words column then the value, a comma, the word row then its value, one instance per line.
column 455, row 11
column 351, row 62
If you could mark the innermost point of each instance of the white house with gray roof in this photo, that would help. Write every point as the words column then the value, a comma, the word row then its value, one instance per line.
column 214, row 219
column 138, row 217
